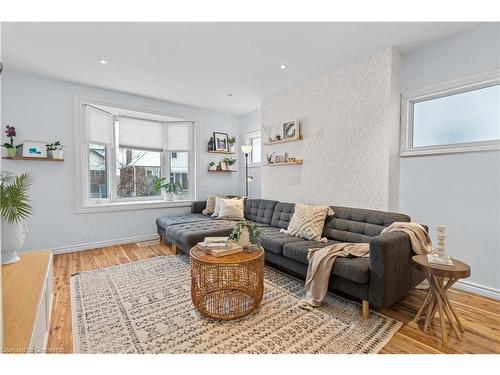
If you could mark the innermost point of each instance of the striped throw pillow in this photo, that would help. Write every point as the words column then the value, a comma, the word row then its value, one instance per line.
column 308, row 221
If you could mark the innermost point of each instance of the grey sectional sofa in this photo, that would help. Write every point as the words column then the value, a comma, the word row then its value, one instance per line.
column 381, row 279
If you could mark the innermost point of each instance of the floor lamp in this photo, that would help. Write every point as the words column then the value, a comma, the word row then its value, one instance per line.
column 246, row 149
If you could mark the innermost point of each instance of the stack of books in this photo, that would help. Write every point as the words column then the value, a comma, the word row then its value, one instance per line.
column 442, row 261
column 219, row 246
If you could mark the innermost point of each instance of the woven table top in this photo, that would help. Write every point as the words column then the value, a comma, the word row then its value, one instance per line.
column 242, row 257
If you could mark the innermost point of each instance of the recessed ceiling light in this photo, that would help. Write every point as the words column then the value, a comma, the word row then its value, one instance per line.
column 229, row 94
column 283, row 66
column 103, row 62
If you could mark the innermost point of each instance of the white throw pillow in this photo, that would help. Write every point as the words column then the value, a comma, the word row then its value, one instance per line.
column 218, row 202
column 308, row 221
column 232, row 209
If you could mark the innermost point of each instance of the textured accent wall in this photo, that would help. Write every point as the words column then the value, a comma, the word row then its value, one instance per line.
column 350, row 123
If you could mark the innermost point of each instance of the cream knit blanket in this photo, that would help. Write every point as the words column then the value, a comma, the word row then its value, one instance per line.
column 321, row 260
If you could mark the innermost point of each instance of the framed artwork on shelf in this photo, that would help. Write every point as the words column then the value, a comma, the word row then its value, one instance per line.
column 223, row 166
column 32, row 149
column 291, row 130
column 221, row 142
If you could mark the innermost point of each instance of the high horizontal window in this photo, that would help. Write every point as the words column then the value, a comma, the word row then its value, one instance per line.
column 456, row 120
column 132, row 157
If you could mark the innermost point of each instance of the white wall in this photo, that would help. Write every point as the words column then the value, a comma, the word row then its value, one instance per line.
column 461, row 191
column 42, row 109
column 249, row 122
column 1, row 313
column 350, row 123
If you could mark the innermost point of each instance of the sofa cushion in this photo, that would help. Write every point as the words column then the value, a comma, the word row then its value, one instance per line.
column 308, row 221
column 259, row 210
column 190, row 234
column 353, row 269
column 273, row 240
column 358, row 225
column 165, row 221
column 282, row 215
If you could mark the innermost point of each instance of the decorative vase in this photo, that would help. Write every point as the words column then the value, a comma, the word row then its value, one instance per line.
column 170, row 196
column 244, row 239
column 57, row 154
column 12, row 152
column 212, row 167
column 13, row 235
column 232, row 148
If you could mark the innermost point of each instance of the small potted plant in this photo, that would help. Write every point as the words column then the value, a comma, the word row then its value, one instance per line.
column 231, row 141
column 230, row 162
column 172, row 188
column 269, row 157
column 246, row 233
column 56, row 149
column 268, row 129
column 212, row 166
column 11, row 133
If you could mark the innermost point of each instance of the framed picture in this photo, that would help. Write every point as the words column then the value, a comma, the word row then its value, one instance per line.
column 291, row 130
column 220, row 142
column 34, row 149
column 281, row 158
column 223, row 166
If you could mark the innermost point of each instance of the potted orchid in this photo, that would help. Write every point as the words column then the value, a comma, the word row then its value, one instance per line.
column 56, row 149
column 11, row 133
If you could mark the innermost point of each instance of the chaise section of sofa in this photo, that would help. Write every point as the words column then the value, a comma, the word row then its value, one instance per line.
column 381, row 279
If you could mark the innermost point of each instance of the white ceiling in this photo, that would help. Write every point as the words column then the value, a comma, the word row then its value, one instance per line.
column 200, row 63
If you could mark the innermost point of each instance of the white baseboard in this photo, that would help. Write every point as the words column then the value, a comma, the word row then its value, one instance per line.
column 478, row 289
column 94, row 245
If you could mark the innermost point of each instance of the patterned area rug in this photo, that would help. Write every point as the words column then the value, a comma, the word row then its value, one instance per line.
column 145, row 307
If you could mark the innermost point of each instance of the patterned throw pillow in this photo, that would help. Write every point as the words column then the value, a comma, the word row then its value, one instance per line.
column 209, row 208
column 308, row 221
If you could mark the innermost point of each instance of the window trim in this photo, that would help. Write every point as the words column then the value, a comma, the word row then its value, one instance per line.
column 248, row 141
column 471, row 83
column 83, row 203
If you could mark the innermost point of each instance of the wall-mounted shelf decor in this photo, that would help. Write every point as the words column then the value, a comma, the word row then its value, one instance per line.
column 300, row 138
column 282, row 164
column 29, row 158
column 221, row 152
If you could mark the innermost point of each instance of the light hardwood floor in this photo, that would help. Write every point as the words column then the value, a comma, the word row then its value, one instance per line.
column 480, row 315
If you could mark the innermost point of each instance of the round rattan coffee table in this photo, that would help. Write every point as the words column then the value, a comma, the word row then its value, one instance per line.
column 229, row 287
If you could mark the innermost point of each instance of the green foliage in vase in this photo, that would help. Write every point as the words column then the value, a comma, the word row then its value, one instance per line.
column 14, row 199
column 253, row 230
column 170, row 187
column 230, row 161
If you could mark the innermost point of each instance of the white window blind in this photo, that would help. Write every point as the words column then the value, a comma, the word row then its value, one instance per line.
column 140, row 133
column 99, row 126
column 178, row 136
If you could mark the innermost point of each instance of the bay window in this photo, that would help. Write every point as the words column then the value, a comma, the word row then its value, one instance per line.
column 124, row 153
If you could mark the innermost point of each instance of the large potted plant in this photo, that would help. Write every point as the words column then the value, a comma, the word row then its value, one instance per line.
column 15, row 210
column 171, row 188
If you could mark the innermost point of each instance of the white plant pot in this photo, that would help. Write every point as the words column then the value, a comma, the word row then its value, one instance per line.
column 212, row 168
column 57, row 154
column 170, row 196
column 245, row 238
column 13, row 235
column 232, row 148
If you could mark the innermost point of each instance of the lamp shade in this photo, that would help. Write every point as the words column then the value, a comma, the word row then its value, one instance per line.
column 246, row 149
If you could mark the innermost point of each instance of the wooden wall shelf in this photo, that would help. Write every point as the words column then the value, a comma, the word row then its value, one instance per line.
column 29, row 158
column 296, row 162
column 222, row 171
column 221, row 152
column 284, row 141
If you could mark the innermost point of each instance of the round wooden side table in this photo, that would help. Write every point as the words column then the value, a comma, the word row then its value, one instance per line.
column 440, row 279
column 229, row 287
